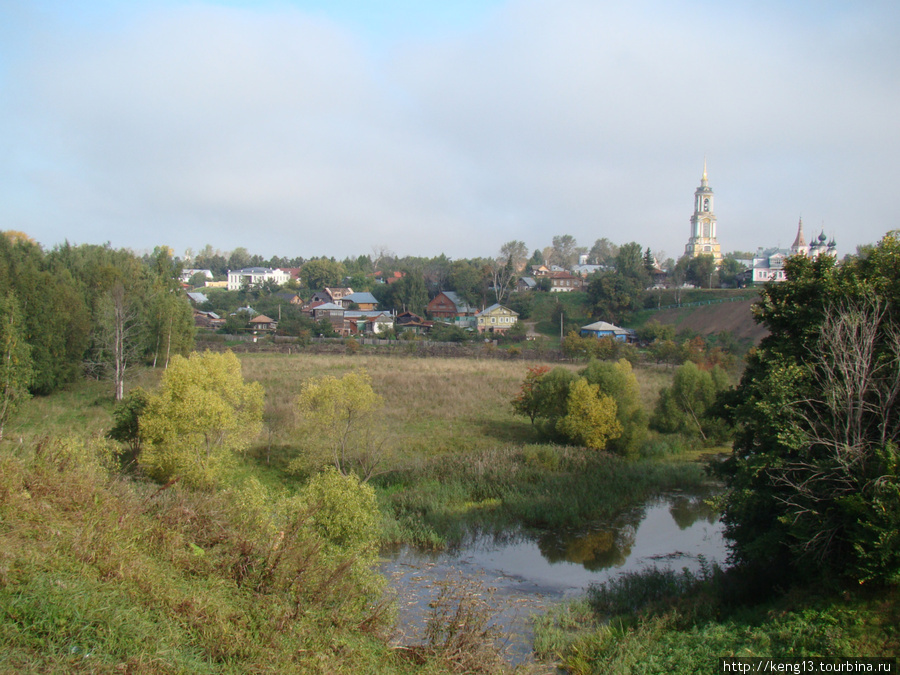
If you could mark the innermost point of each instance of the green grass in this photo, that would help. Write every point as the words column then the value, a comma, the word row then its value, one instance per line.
column 104, row 575
column 663, row 621
column 431, row 405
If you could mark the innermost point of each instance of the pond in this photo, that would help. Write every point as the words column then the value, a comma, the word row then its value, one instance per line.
column 527, row 572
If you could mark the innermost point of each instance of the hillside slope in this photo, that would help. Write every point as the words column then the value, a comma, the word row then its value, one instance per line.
column 733, row 317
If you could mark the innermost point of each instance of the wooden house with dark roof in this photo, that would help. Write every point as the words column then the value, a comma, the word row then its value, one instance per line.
column 448, row 306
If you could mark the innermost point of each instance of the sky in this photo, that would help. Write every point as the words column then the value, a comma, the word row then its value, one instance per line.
column 337, row 128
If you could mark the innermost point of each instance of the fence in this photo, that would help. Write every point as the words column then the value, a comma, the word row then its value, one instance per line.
column 701, row 303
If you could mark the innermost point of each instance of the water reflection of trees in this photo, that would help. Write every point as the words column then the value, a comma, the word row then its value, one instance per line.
column 687, row 510
column 596, row 549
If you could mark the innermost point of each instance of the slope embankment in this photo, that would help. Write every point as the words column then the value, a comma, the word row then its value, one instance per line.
column 732, row 317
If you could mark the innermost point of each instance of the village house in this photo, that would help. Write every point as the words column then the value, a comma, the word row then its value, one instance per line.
column 448, row 307
column 526, row 284
column 289, row 297
column 255, row 276
column 197, row 298
column 496, row 319
column 564, row 282
column 187, row 275
column 209, row 320
column 584, row 270
column 602, row 329
column 413, row 322
column 263, row 323
column 336, row 294
column 366, row 322
column 363, row 300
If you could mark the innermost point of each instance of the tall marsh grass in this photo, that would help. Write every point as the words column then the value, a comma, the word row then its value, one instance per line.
column 546, row 487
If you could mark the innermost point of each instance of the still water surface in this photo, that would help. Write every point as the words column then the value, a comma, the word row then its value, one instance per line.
column 531, row 571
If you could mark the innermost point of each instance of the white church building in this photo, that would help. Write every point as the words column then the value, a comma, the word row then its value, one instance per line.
column 768, row 265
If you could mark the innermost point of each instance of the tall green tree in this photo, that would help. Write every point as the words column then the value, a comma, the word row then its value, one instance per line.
column 469, row 279
column 618, row 381
column 614, row 296
column 729, row 271
column 683, row 407
column 118, row 335
column 603, row 252
column 701, row 271
column 590, row 418
column 56, row 321
column 630, row 264
column 506, row 266
column 813, row 484
column 409, row 292
column 567, row 407
column 564, row 251
column 322, row 273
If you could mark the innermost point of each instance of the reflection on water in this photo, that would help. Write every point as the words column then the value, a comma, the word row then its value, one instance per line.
column 533, row 570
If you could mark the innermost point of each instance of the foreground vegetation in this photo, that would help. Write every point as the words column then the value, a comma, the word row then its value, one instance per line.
column 102, row 575
column 455, row 452
column 670, row 622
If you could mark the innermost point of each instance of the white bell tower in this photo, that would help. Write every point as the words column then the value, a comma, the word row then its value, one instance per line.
column 703, row 223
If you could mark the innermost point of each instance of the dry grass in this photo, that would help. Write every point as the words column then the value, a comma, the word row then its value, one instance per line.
column 651, row 380
column 431, row 405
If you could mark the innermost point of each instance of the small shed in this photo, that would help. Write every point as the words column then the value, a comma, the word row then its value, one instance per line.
column 602, row 329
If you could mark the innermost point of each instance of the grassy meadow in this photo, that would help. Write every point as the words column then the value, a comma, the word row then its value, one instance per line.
column 456, row 453
column 431, row 405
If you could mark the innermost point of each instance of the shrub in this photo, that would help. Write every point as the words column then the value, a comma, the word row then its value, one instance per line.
column 590, row 418
column 618, row 381
column 339, row 424
column 201, row 416
column 683, row 407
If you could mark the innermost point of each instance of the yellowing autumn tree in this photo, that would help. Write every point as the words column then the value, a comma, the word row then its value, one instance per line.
column 203, row 414
column 590, row 418
column 339, row 424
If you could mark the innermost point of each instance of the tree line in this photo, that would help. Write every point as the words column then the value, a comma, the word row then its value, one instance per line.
column 86, row 310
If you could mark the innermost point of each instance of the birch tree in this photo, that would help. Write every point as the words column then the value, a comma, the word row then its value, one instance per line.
column 506, row 266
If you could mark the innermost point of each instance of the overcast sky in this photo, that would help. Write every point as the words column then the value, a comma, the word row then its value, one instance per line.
column 322, row 127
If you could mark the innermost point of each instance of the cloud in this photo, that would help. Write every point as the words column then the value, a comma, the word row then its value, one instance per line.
column 286, row 132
